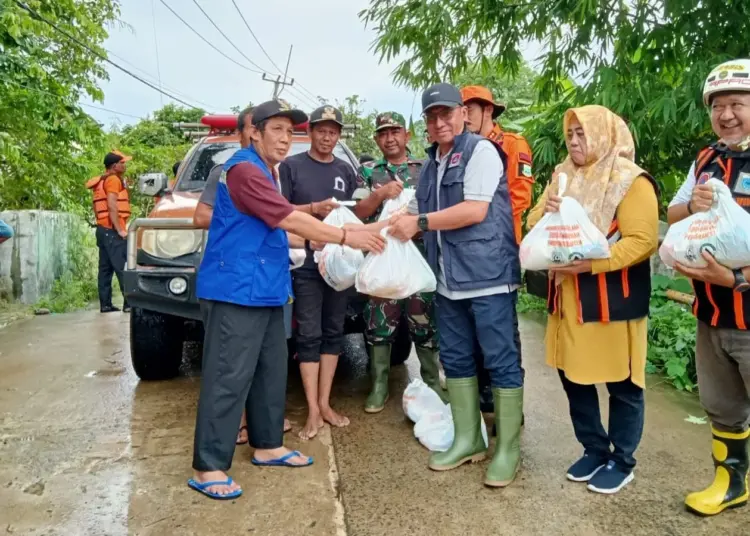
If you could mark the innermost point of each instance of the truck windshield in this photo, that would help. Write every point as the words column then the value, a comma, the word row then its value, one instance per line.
column 210, row 155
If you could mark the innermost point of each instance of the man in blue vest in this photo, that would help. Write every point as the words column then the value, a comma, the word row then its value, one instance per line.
column 243, row 284
column 462, row 207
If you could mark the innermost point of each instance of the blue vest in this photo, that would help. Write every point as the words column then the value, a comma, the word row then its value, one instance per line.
column 480, row 256
column 246, row 262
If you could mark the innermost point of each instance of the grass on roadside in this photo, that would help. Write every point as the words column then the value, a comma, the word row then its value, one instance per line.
column 76, row 288
column 671, row 332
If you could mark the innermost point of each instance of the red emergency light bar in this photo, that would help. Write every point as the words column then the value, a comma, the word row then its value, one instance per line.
column 228, row 123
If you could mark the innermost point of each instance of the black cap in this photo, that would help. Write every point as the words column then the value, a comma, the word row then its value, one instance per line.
column 277, row 108
column 113, row 157
column 327, row 113
column 441, row 95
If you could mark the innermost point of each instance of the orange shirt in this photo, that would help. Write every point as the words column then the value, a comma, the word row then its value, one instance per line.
column 114, row 185
column 520, row 177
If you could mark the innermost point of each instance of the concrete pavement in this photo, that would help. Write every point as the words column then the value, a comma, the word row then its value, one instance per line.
column 87, row 449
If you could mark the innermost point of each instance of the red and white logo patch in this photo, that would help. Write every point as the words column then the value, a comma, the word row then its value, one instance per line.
column 705, row 176
column 455, row 159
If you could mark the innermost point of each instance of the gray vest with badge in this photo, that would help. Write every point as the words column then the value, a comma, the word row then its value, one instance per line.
column 480, row 256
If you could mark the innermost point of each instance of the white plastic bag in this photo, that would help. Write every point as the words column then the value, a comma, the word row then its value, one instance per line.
column 723, row 231
column 296, row 258
column 433, row 419
column 419, row 400
column 397, row 204
column 562, row 237
column 397, row 273
column 339, row 264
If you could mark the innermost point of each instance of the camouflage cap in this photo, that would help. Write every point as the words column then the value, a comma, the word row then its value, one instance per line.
column 389, row 120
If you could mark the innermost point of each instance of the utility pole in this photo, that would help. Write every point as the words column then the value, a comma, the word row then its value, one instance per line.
column 278, row 82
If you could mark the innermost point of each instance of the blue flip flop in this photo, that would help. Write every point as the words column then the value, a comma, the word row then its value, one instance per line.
column 202, row 487
column 283, row 461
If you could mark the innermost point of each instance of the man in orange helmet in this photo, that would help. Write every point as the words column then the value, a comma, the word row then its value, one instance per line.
column 482, row 113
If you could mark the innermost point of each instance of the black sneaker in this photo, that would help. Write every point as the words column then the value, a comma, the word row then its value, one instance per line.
column 585, row 468
column 108, row 309
column 610, row 479
column 126, row 308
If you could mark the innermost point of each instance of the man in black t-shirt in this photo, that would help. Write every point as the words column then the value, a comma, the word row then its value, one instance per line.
column 307, row 180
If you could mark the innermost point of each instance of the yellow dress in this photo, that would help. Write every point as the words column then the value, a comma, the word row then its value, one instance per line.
column 596, row 352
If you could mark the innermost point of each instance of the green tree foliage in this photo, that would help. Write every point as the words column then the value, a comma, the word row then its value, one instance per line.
column 360, row 140
column 43, row 130
column 646, row 60
column 516, row 92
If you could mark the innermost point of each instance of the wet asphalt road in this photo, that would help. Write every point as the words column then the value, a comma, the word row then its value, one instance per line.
column 85, row 448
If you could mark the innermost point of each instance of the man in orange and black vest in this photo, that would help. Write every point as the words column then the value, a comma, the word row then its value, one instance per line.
column 722, row 295
column 482, row 113
column 112, row 211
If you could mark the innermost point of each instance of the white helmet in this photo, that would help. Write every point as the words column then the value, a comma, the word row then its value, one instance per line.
column 733, row 76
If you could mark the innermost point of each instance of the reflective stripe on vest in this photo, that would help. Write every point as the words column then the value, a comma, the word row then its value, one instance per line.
column 715, row 305
column 101, row 209
column 609, row 296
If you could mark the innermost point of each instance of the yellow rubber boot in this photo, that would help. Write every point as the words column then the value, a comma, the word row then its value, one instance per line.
column 729, row 488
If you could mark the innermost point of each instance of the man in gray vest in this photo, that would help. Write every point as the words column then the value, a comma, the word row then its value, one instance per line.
column 463, row 209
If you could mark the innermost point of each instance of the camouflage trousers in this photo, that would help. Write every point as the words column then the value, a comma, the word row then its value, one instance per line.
column 382, row 317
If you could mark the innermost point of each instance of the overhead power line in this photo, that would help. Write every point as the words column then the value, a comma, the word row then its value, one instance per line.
column 265, row 52
column 227, row 38
column 255, row 37
column 170, row 88
column 62, row 99
column 209, row 43
column 37, row 16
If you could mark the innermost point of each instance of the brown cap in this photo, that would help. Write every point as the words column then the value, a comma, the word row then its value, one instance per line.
column 481, row 93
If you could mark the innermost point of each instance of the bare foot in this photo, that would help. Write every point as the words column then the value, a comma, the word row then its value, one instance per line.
column 314, row 422
column 216, row 476
column 264, row 455
column 287, row 425
column 242, row 436
column 333, row 418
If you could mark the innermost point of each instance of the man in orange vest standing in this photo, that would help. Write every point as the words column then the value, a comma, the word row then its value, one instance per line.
column 482, row 113
column 112, row 211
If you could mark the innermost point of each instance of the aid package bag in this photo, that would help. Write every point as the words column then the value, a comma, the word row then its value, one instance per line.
column 401, row 270
column 562, row 237
column 296, row 258
column 339, row 264
column 723, row 231
column 432, row 418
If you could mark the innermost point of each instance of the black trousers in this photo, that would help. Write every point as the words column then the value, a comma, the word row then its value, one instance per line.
column 244, row 364
column 113, row 251
column 320, row 312
column 626, row 416
column 486, row 402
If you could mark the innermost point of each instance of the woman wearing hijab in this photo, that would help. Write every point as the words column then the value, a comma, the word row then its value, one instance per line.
column 598, row 309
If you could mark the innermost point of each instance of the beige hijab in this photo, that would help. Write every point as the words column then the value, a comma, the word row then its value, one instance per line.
column 601, row 184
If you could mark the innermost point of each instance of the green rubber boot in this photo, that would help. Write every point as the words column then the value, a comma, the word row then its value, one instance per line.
column 428, row 361
column 380, row 367
column 468, row 444
column 507, row 458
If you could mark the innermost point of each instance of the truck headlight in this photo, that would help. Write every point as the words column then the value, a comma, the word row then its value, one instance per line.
column 168, row 244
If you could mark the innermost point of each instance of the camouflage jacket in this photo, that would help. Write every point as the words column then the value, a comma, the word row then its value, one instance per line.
column 373, row 175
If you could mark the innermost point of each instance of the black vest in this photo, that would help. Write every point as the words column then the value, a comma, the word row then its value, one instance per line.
column 610, row 296
column 719, row 306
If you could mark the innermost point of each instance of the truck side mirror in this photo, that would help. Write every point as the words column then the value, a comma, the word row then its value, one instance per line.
column 152, row 184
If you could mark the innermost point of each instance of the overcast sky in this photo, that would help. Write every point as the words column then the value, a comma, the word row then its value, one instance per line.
column 331, row 56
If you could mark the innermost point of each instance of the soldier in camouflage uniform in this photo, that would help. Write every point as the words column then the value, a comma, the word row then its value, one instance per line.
column 378, row 181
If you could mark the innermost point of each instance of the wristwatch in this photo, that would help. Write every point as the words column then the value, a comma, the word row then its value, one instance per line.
column 423, row 223
column 740, row 283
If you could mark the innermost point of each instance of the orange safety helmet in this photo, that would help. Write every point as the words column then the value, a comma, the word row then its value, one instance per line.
column 481, row 93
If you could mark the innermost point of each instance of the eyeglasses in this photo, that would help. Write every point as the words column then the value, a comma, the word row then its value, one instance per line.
column 446, row 114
